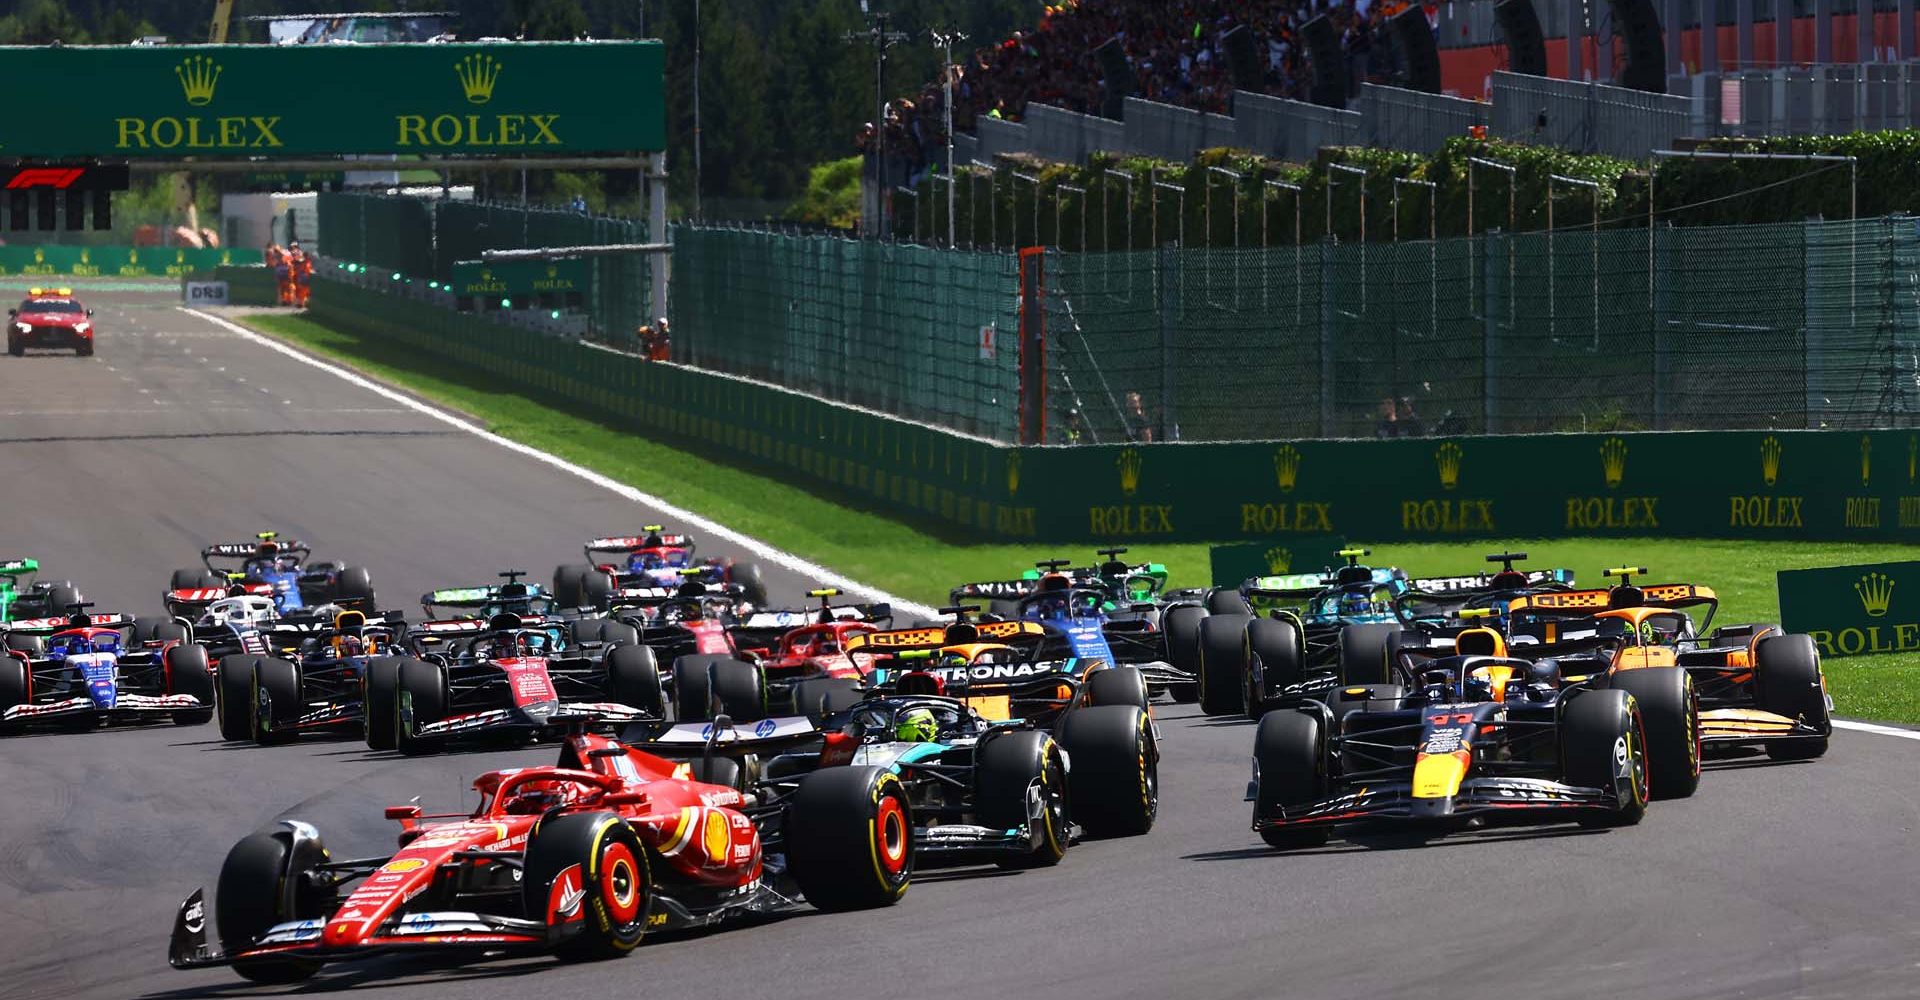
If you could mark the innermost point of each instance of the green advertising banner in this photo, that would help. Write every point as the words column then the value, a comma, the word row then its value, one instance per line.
column 1235, row 564
column 1854, row 610
column 521, row 277
column 513, row 98
column 117, row 262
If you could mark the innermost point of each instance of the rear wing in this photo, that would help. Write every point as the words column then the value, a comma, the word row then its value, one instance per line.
column 1586, row 602
column 245, row 550
column 641, row 597
column 899, row 640
column 994, row 589
column 19, row 567
column 458, row 597
column 1295, row 587
column 1483, row 582
column 786, row 620
column 677, row 740
column 48, row 626
column 635, row 543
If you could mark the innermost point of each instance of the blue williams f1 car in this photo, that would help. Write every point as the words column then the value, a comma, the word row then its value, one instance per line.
column 269, row 567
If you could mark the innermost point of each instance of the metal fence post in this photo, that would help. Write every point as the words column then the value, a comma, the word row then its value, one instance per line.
column 1167, row 290
column 1489, row 340
column 1327, row 365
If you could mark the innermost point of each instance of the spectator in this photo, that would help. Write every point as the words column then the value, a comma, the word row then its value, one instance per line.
column 656, row 341
column 1389, row 420
column 1139, row 428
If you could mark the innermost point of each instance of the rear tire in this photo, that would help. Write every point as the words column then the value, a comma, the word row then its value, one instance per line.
column 34, row 646
column 355, row 589
column 692, row 694
column 423, row 688
column 1288, row 748
column 849, row 838
column 633, row 678
column 566, row 585
column 15, row 682
column 276, row 701
column 1277, row 646
column 1224, row 654
column 596, row 590
column 752, row 586
column 1117, row 686
column 1368, row 652
column 188, row 579
column 234, row 704
column 61, row 598
column 1115, row 782
column 379, row 704
column 1788, row 681
column 1670, row 711
column 602, row 852
column 1602, row 746
column 1005, row 769
column 739, row 690
column 1181, row 623
column 1222, row 601
column 249, row 900
column 188, row 673
column 819, row 697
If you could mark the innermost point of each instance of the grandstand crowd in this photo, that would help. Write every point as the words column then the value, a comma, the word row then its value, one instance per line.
column 1174, row 48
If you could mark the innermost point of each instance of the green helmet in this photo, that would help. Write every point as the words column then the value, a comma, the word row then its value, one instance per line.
column 915, row 725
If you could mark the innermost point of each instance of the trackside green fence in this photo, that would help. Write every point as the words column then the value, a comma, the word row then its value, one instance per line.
column 1759, row 484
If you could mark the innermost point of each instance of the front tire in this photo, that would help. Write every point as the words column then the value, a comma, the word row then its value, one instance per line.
column 188, row 673
column 1008, row 769
column 849, row 838
column 1670, row 711
column 1181, row 623
column 1288, row 750
column 276, row 701
column 1277, row 646
column 1115, row 782
column 379, row 704
column 251, row 898
column 633, row 679
column 423, row 700
column 1224, row 656
column 1603, row 745
column 234, row 705
column 1117, row 686
column 1788, row 681
column 600, row 854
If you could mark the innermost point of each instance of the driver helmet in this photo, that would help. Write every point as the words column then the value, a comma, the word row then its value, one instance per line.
column 534, row 798
column 352, row 645
column 266, row 551
column 508, row 647
column 916, row 725
column 1356, row 600
column 1477, row 686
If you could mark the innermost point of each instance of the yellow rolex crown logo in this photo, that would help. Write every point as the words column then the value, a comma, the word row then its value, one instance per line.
column 1279, row 560
column 1866, row 459
column 1013, row 473
column 198, row 76
column 477, row 73
column 1876, row 592
column 553, row 271
column 1447, row 458
column 40, row 256
column 1770, row 459
column 1129, row 465
column 86, row 256
column 1286, row 467
column 1613, row 461
column 1913, row 459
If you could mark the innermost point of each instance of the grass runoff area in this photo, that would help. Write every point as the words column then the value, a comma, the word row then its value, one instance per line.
column 915, row 563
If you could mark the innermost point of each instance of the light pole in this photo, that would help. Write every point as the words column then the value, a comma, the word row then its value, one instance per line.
column 944, row 42
column 881, row 39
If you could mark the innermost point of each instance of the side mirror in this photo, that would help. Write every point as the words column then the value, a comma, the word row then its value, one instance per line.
column 89, row 312
column 403, row 813
column 13, row 312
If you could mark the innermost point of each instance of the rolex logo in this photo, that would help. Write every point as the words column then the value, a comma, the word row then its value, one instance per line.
column 198, row 76
column 1913, row 459
column 1013, row 473
column 1876, row 591
column 133, row 256
column 552, row 271
column 1447, row 458
column 1286, row 467
column 1866, row 459
column 86, row 256
column 1770, row 459
column 477, row 73
column 1613, row 461
column 486, row 274
column 1129, row 465
column 1279, row 560
column 40, row 256
column 179, row 256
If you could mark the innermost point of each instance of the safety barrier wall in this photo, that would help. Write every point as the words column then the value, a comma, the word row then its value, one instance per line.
column 1586, row 117
column 1415, row 121
column 246, row 286
column 1862, row 485
column 53, row 262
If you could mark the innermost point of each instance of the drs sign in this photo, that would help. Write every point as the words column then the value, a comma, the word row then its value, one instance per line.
column 1854, row 610
column 206, row 293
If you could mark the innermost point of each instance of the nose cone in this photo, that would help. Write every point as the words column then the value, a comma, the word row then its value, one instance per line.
column 104, row 692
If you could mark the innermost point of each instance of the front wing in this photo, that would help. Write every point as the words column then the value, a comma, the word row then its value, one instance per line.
column 1477, row 796
column 126, row 706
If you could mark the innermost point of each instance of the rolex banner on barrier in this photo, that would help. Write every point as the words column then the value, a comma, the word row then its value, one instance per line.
column 497, row 99
column 1854, row 610
column 118, row 261
column 1233, row 565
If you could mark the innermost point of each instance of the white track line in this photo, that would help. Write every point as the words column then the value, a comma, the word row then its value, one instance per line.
column 1877, row 730
column 785, row 560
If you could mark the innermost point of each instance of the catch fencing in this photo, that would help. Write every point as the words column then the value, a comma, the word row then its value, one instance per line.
column 1804, row 325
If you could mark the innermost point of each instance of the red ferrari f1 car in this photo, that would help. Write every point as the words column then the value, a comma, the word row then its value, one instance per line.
column 581, row 859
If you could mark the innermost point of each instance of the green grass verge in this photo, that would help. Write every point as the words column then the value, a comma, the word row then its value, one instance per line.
column 902, row 559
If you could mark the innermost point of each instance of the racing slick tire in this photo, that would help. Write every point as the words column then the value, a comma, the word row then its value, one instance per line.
column 249, row 899
column 596, row 589
column 633, row 679
column 818, row 697
column 233, row 701
column 16, row 683
column 276, row 690
column 145, row 627
column 1670, row 711
column 1181, row 623
column 723, row 771
column 752, row 586
column 354, row 589
column 169, row 631
column 615, row 633
column 692, row 694
column 1367, row 653
column 84, row 350
column 600, row 854
column 1117, row 686
column 1114, row 786
column 188, row 579
column 1787, row 681
column 61, row 597
column 849, row 838
column 566, row 584
column 188, row 673
column 1603, row 745
column 1276, row 645
column 739, row 689
column 1222, row 601
column 1290, row 751
column 422, row 685
column 585, row 630
column 1005, row 769
column 34, row 646
column 379, row 701
column 1223, row 664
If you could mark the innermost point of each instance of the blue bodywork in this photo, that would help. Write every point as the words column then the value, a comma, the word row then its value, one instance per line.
column 95, row 663
column 285, row 584
column 1079, row 617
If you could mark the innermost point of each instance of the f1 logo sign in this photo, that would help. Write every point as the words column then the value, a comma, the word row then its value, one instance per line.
column 59, row 178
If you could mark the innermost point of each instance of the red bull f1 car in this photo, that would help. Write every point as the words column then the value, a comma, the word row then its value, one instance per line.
column 582, row 860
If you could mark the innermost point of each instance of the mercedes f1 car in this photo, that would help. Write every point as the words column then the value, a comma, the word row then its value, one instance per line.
column 82, row 670
column 23, row 597
column 509, row 676
column 650, row 560
column 1755, row 685
column 582, row 860
column 269, row 567
column 1478, row 736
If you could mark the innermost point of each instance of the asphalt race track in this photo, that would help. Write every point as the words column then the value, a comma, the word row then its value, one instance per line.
column 1774, row 881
